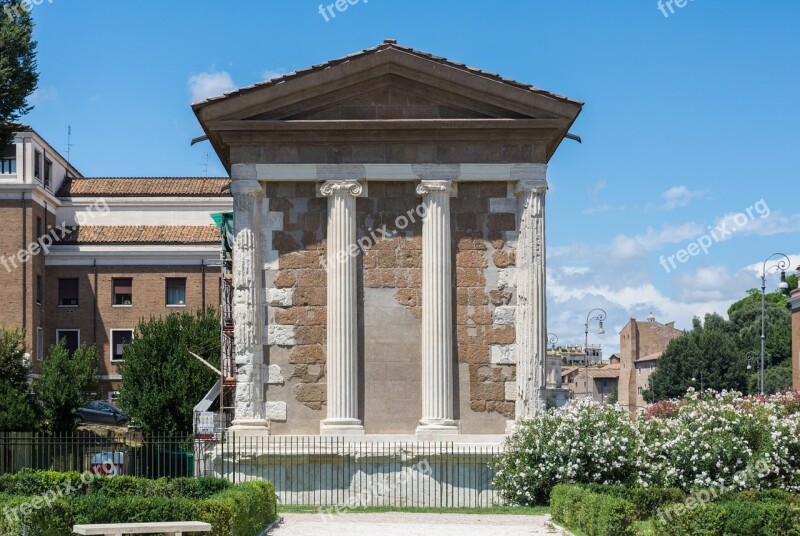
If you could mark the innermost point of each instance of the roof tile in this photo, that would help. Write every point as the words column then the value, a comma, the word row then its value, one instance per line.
column 145, row 187
column 143, row 234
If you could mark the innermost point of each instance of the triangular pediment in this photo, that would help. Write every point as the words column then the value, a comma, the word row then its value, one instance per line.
column 387, row 97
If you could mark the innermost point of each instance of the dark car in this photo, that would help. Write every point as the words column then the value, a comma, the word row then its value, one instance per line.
column 99, row 412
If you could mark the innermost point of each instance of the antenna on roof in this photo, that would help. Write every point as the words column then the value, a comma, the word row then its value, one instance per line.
column 70, row 145
column 205, row 166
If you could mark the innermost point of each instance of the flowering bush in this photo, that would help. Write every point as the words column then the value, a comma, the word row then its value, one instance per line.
column 720, row 440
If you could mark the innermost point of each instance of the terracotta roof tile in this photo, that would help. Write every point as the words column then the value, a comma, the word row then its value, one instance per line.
column 145, row 187
column 143, row 234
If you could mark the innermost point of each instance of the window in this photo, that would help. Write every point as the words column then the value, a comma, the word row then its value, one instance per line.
column 120, row 338
column 176, row 291
column 113, row 397
column 67, row 292
column 639, row 371
column 640, row 391
column 48, row 171
column 39, row 289
column 72, row 338
column 39, row 344
column 123, row 291
column 38, row 228
column 8, row 166
column 37, row 165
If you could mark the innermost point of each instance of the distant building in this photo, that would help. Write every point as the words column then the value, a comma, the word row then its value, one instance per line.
column 641, row 345
column 581, row 355
column 597, row 383
column 794, row 301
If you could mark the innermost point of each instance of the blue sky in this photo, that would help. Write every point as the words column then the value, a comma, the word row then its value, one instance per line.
column 689, row 118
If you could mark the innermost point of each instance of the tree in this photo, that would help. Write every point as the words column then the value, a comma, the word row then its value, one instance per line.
column 707, row 357
column 161, row 381
column 67, row 382
column 18, row 75
column 18, row 410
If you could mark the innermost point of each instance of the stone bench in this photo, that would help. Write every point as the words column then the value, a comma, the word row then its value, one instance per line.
column 118, row 529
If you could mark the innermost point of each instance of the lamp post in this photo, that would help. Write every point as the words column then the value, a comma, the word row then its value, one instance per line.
column 694, row 380
column 600, row 317
column 552, row 340
column 781, row 265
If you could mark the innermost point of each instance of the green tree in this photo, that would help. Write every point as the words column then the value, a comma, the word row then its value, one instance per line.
column 67, row 382
column 18, row 75
column 18, row 410
column 707, row 357
column 161, row 381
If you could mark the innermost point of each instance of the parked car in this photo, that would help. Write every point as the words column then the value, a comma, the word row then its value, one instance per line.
column 99, row 412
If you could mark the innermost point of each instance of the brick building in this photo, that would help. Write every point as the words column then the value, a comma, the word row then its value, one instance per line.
column 101, row 253
column 641, row 345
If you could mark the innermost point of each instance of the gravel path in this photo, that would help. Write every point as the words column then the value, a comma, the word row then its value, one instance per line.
column 404, row 524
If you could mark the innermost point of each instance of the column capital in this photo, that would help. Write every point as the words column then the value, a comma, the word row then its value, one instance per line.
column 247, row 187
column 338, row 187
column 426, row 187
column 526, row 187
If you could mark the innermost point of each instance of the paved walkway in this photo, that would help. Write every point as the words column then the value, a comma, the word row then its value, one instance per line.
column 404, row 524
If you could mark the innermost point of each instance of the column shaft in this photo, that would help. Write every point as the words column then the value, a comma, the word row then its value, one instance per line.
column 437, row 311
column 248, row 308
column 531, row 323
column 342, row 320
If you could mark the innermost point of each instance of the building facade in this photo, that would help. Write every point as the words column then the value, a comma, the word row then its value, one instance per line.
column 641, row 346
column 389, row 253
column 87, row 258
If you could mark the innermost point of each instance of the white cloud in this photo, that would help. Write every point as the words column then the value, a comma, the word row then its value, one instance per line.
column 269, row 74
column 681, row 196
column 625, row 246
column 43, row 94
column 210, row 84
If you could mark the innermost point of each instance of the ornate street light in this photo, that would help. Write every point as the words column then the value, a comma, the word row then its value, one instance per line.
column 600, row 317
column 782, row 265
column 552, row 340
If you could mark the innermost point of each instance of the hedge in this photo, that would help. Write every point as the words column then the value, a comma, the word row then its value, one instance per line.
column 766, row 518
column 242, row 510
column 645, row 501
column 596, row 514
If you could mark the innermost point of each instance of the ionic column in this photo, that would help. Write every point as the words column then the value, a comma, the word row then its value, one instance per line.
column 248, row 309
column 437, row 311
column 531, row 319
column 342, row 330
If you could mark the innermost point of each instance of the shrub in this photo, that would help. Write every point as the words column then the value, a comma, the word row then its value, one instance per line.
column 645, row 501
column 582, row 444
column 732, row 518
column 597, row 514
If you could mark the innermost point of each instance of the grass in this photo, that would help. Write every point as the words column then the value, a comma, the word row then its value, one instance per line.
column 493, row 510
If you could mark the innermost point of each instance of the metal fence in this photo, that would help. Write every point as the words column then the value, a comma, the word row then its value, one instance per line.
column 305, row 470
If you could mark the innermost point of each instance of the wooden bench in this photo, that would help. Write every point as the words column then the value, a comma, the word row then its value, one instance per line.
column 118, row 529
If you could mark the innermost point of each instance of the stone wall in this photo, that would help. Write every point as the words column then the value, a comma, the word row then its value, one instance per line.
column 389, row 229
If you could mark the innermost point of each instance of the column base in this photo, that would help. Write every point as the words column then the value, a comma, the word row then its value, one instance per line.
column 249, row 428
column 341, row 427
column 446, row 427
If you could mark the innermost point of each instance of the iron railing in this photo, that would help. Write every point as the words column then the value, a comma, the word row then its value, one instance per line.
column 305, row 470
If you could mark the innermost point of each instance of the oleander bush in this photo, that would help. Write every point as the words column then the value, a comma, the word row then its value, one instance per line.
column 32, row 499
column 711, row 440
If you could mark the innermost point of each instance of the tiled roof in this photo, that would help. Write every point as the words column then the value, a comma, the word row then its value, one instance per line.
column 387, row 44
column 610, row 371
column 145, row 187
column 143, row 234
column 651, row 357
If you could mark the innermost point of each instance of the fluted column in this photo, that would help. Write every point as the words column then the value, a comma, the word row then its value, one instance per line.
column 437, row 311
column 531, row 320
column 342, row 330
column 248, row 309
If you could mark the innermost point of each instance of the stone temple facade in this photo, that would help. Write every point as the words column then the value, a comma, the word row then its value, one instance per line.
column 389, row 255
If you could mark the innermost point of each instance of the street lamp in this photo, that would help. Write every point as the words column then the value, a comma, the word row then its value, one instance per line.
column 694, row 380
column 781, row 265
column 600, row 317
column 552, row 339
